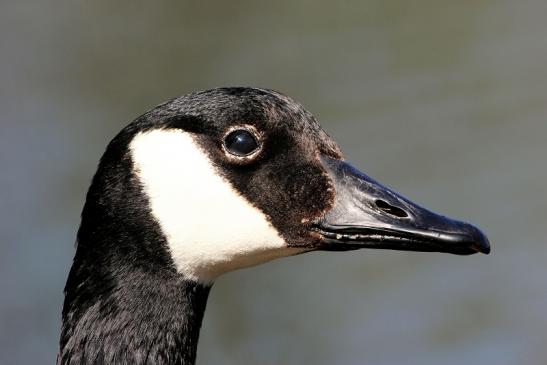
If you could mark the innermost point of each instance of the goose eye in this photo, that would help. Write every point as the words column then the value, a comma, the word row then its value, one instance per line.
column 241, row 142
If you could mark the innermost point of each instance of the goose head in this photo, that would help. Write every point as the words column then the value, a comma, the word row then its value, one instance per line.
column 235, row 177
column 209, row 183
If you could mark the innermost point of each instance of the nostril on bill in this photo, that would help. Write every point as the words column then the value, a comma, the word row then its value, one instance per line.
column 390, row 209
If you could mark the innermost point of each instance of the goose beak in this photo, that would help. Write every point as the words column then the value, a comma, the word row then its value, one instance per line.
column 368, row 215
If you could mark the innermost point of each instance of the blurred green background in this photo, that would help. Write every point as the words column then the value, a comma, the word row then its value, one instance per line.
column 444, row 101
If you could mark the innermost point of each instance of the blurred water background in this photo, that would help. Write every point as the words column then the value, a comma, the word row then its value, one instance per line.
column 444, row 101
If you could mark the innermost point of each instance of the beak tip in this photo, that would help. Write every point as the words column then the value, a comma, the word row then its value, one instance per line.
column 481, row 243
column 485, row 249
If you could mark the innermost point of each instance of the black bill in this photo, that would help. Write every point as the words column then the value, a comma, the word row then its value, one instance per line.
column 368, row 215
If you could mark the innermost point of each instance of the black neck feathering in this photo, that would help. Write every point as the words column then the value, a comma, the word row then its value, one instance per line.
column 156, row 323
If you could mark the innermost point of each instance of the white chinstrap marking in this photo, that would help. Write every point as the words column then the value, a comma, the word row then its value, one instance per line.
column 211, row 228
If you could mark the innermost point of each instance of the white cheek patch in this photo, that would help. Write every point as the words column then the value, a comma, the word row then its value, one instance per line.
column 210, row 227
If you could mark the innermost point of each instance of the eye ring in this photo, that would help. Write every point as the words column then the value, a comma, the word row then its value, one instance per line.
column 242, row 143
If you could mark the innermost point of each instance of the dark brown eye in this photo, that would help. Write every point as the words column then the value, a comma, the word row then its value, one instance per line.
column 241, row 143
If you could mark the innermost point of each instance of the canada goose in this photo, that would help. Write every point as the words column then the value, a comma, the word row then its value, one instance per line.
column 205, row 184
